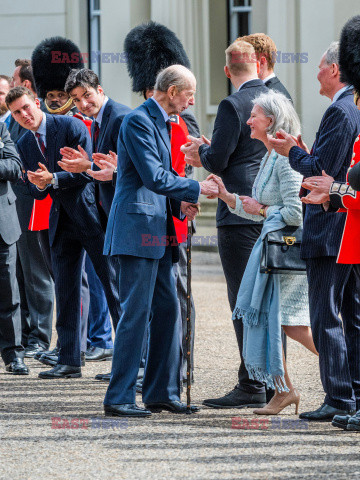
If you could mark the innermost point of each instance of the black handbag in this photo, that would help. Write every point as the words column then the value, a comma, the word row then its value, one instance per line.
column 281, row 252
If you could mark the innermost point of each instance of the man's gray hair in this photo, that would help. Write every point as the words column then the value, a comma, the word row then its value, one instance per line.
column 332, row 53
column 282, row 112
column 177, row 75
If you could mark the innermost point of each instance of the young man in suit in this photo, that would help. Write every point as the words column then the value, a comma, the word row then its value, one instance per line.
column 12, row 351
column 333, row 287
column 74, row 223
column 266, row 51
column 84, row 89
column 141, row 233
column 34, row 271
column 235, row 157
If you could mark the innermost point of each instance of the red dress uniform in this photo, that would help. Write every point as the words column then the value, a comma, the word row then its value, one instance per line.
column 39, row 219
column 179, row 133
column 347, row 200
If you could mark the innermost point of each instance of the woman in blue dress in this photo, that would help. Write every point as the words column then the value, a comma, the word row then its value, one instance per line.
column 267, row 301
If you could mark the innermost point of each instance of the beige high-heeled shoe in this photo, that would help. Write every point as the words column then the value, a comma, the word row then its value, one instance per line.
column 279, row 402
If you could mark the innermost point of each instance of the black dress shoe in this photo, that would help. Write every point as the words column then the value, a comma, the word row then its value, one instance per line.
column 325, row 413
column 340, row 421
column 31, row 350
column 354, row 422
column 62, row 371
column 17, row 367
column 48, row 359
column 126, row 410
column 97, row 354
column 237, row 399
column 103, row 377
column 173, row 407
column 53, row 352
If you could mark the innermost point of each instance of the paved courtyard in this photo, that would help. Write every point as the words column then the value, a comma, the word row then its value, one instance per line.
column 166, row 446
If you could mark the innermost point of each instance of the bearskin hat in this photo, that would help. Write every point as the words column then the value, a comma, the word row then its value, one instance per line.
column 349, row 53
column 52, row 61
column 149, row 48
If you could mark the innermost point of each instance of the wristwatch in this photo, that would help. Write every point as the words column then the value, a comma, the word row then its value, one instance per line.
column 262, row 211
column 52, row 180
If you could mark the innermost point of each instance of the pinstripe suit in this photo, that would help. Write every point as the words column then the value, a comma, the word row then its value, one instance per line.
column 333, row 288
column 74, row 225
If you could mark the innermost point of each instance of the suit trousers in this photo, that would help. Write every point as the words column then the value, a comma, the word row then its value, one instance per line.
column 36, row 291
column 147, row 291
column 10, row 318
column 99, row 323
column 235, row 245
column 334, row 289
column 67, row 254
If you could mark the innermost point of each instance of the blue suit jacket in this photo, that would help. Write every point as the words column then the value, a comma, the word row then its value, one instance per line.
column 331, row 152
column 113, row 116
column 76, row 192
column 141, row 212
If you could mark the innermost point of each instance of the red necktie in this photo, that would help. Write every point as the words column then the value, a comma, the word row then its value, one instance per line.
column 41, row 144
column 96, row 135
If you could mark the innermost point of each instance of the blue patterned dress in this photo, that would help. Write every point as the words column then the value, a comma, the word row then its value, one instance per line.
column 277, row 186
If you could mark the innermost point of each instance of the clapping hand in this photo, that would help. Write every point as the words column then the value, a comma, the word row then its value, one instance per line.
column 319, row 189
column 191, row 150
column 74, row 161
column 41, row 178
column 105, row 174
column 111, row 157
column 283, row 143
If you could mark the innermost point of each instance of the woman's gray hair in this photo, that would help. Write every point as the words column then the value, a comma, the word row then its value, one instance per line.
column 282, row 112
column 177, row 75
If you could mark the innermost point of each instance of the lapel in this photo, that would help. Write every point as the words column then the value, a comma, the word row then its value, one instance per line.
column 104, row 123
column 51, row 133
column 159, row 122
column 34, row 151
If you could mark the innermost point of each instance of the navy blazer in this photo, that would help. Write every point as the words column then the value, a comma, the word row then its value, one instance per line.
column 275, row 84
column 233, row 155
column 139, row 216
column 76, row 192
column 332, row 152
column 112, row 118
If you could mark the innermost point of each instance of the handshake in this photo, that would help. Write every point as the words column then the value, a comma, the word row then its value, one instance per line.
column 212, row 187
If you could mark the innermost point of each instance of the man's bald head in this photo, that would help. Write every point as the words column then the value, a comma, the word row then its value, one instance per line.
column 175, row 75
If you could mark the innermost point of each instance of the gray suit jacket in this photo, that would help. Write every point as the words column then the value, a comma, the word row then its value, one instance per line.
column 10, row 171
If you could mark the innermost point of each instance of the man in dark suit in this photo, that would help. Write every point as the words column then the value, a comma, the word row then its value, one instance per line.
column 333, row 288
column 266, row 51
column 235, row 157
column 141, row 233
column 88, row 96
column 74, row 223
column 12, row 351
column 34, row 271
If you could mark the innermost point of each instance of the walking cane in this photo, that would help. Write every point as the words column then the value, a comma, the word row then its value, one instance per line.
column 188, row 318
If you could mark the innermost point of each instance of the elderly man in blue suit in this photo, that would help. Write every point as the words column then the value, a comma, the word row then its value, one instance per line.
column 74, row 224
column 141, row 233
column 84, row 88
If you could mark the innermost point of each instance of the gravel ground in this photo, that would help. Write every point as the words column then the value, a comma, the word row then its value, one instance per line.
column 166, row 446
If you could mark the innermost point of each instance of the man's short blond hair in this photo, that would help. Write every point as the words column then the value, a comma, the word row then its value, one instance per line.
column 263, row 45
column 241, row 58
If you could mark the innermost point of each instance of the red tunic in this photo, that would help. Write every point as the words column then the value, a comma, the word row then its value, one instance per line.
column 179, row 133
column 349, row 252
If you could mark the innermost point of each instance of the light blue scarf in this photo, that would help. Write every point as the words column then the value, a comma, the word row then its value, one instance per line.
column 258, row 305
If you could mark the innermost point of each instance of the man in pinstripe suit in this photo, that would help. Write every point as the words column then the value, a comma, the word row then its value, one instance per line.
column 333, row 288
column 74, row 224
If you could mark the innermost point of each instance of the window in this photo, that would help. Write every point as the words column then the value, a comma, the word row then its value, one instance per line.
column 94, row 13
column 239, row 18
